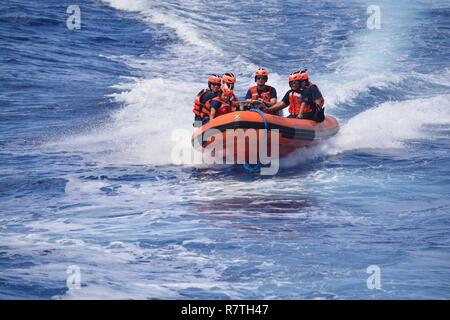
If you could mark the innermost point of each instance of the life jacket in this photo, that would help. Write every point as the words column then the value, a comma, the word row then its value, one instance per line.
column 295, row 102
column 199, row 108
column 264, row 95
column 225, row 106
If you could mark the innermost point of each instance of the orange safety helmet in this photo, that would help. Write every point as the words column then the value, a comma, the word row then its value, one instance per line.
column 261, row 72
column 226, row 90
column 229, row 78
column 214, row 78
column 298, row 76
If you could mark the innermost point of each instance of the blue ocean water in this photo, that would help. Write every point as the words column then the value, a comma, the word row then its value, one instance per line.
column 86, row 135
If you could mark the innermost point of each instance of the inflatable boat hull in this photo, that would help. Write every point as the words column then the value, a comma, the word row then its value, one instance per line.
column 292, row 134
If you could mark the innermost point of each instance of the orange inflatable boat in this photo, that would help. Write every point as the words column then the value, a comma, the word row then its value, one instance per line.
column 291, row 134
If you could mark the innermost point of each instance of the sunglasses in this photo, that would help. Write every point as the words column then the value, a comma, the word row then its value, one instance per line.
column 261, row 78
column 215, row 84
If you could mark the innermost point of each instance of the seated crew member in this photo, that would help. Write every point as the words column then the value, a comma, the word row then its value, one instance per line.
column 222, row 104
column 201, row 117
column 305, row 100
column 261, row 94
column 230, row 80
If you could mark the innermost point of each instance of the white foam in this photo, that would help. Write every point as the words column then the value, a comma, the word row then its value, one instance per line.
column 374, row 60
column 140, row 132
column 118, row 270
column 166, row 14
column 388, row 126
column 339, row 89
column 391, row 124
column 158, row 104
column 441, row 78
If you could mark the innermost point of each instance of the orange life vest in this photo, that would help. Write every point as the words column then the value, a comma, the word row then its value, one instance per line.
column 264, row 95
column 199, row 107
column 295, row 102
column 225, row 107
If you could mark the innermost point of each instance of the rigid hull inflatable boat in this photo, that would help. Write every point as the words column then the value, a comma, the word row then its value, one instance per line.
column 293, row 133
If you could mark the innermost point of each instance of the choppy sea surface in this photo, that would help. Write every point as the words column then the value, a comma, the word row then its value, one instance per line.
column 86, row 131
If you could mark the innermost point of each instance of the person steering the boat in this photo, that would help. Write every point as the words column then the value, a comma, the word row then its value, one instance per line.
column 201, row 116
column 230, row 80
column 305, row 100
column 222, row 104
column 261, row 95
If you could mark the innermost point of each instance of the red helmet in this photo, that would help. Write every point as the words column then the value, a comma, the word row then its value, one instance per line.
column 229, row 78
column 298, row 76
column 226, row 90
column 214, row 78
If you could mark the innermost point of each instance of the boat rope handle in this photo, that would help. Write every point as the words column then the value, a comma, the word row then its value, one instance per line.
column 248, row 167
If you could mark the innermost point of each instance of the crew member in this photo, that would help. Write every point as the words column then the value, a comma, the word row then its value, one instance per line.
column 201, row 115
column 222, row 104
column 261, row 93
column 305, row 100
column 230, row 80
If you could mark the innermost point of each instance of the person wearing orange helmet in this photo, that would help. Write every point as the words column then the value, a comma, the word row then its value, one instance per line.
column 201, row 114
column 221, row 104
column 305, row 100
column 230, row 80
column 261, row 93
